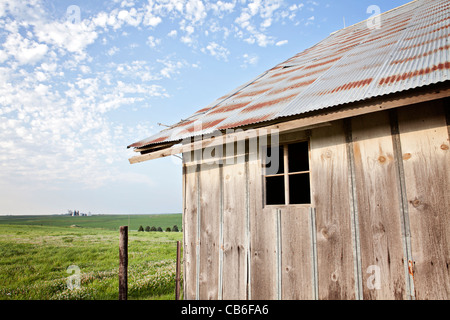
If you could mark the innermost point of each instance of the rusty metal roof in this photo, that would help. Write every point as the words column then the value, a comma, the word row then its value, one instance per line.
column 409, row 49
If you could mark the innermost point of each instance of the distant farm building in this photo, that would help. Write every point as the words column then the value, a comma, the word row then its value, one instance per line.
column 327, row 176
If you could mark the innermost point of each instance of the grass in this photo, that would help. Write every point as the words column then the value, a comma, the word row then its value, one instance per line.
column 110, row 222
column 34, row 261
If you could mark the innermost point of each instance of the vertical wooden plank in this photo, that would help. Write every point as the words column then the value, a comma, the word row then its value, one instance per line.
column 177, row 273
column 209, row 231
column 262, row 238
column 426, row 160
column 123, row 262
column 330, row 196
column 354, row 220
column 379, row 208
column 296, row 258
column 286, row 176
column 235, row 244
column 190, row 231
column 314, row 276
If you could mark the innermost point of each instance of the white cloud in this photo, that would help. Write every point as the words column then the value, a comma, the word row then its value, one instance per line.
column 217, row 51
column 153, row 42
column 112, row 51
column 220, row 8
column 244, row 19
column 85, row 69
column 126, row 3
column 189, row 29
column 132, row 17
column 187, row 40
column 172, row 33
column 3, row 56
column 73, row 37
column 23, row 50
column 295, row 7
column 281, row 43
column 309, row 21
column 137, row 68
column 254, row 6
column 266, row 23
column 262, row 13
column 249, row 59
column 195, row 11
column 152, row 21
column 170, row 67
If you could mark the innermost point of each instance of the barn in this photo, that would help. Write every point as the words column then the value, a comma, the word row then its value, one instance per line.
column 327, row 176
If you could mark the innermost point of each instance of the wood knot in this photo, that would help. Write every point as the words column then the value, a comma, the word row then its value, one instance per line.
column 415, row 203
column 444, row 146
column 334, row 277
column 406, row 156
column 381, row 159
column 328, row 232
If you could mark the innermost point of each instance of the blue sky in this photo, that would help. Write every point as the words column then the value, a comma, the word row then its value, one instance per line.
column 81, row 80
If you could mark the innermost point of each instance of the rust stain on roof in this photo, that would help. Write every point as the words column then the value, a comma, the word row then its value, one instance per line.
column 245, row 122
column 229, row 108
column 416, row 73
column 269, row 103
column 429, row 32
column 447, row 47
column 292, row 86
column 323, row 63
column 249, row 93
column 445, row 36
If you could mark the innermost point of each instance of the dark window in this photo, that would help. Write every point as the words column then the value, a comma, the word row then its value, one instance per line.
column 275, row 190
column 274, row 164
column 298, row 157
column 289, row 183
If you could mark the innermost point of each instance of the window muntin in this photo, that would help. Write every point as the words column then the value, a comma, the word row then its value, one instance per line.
column 291, row 183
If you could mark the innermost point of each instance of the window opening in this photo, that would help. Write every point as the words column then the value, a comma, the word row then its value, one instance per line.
column 291, row 182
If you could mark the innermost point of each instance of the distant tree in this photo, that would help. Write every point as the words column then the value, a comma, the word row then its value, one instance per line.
column 175, row 228
column 168, row 229
column 153, row 228
column 147, row 228
column 159, row 229
column 141, row 228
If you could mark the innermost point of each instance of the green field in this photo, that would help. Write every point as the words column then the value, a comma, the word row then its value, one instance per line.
column 36, row 252
column 110, row 222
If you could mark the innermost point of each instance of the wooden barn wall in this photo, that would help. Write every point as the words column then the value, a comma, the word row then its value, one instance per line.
column 426, row 163
column 377, row 228
column 331, row 198
column 379, row 208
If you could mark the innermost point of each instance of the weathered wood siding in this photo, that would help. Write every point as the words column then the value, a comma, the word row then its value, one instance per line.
column 234, row 230
column 330, row 197
column 426, row 160
column 210, row 194
column 190, row 230
column 296, row 256
column 379, row 208
column 377, row 227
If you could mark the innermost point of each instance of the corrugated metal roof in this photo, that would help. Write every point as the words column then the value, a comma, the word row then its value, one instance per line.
column 410, row 49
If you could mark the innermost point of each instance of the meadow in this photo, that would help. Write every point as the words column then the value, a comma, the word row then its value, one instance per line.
column 36, row 252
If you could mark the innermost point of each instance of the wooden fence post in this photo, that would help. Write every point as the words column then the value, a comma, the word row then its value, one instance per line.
column 123, row 263
column 177, row 277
